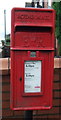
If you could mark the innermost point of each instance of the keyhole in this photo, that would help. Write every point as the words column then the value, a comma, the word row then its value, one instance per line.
column 20, row 78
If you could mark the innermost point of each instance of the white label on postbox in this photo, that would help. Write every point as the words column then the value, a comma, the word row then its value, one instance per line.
column 32, row 77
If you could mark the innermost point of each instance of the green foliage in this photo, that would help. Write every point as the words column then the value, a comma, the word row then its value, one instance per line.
column 57, row 7
column 8, row 39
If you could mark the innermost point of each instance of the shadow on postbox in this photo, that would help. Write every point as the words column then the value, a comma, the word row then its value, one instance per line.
column 32, row 58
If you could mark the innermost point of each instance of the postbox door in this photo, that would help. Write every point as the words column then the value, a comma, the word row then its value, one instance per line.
column 39, row 92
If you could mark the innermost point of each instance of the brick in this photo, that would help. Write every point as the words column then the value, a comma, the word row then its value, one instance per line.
column 56, row 86
column 7, row 113
column 12, row 118
column 57, row 62
column 60, row 117
column 56, row 94
column 56, row 77
column 56, row 102
column 0, row 87
column 60, row 94
column 3, row 66
column 41, row 112
column 0, row 105
column 53, row 110
column 60, row 62
column 56, row 71
column 20, row 113
column 54, row 117
column 56, row 74
column 6, row 79
column 0, row 112
column 60, row 102
column 0, row 96
column 60, row 110
column 60, row 70
column 9, row 65
column 40, row 117
column 5, row 104
column 6, row 87
column 5, row 96
column 60, row 77
column 60, row 85
column 0, row 78
column 3, row 63
column 35, row 112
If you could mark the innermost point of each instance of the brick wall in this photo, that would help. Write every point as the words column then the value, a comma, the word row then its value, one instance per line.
column 55, row 112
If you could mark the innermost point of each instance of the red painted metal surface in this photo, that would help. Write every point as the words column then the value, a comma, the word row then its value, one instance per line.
column 32, row 39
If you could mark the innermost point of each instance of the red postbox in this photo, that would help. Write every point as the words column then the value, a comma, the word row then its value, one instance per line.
column 32, row 58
